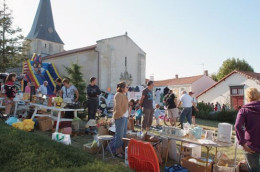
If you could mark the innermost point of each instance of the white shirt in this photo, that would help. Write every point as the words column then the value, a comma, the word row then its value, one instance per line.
column 43, row 89
column 126, row 114
column 186, row 100
column 69, row 92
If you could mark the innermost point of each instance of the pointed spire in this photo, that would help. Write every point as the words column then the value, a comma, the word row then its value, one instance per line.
column 43, row 25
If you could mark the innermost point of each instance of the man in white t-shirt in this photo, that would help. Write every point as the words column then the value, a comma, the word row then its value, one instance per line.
column 43, row 88
column 186, row 102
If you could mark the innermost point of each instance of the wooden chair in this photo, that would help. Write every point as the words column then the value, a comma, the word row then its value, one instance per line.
column 142, row 157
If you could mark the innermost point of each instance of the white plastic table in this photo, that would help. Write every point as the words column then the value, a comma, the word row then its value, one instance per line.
column 201, row 142
column 18, row 106
column 55, row 118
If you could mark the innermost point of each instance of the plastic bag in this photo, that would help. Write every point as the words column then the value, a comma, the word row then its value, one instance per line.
column 62, row 138
column 26, row 125
column 11, row 120
column 18, row 125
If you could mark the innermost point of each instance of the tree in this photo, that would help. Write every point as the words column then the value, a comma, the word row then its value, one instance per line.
column 214, row 76
column 11, row 40
column 76, row 78
column 232, row 64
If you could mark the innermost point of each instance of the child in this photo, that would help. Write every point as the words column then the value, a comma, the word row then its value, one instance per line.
column 157, row 113
column 131, row 108
column 131, row 112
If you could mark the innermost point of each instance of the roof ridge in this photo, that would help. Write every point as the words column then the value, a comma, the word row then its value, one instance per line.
column 179, row 78
column 71, row 51
column 228, row 75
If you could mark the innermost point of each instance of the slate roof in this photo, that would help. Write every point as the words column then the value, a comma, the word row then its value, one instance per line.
column 43, row 25
column 177, row 81
column 249, row 75
column 78, row 50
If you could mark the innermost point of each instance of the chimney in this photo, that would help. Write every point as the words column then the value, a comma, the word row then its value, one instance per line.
column 176, row 76
column 152, row 78
column 206, row 73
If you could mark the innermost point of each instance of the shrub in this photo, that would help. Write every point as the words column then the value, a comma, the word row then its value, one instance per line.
column 207, row 112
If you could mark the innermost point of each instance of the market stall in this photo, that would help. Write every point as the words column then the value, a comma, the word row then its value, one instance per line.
column 51, row 115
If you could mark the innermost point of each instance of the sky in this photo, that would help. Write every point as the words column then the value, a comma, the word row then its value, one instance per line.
column 179, row 36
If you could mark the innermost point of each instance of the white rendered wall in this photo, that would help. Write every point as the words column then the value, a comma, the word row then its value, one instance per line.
column 221, row 93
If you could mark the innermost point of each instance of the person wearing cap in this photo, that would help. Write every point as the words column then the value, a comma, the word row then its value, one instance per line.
column 146, row 103
column 194, row 107
column 186, row 102
column 93, row 92
column 43, row 88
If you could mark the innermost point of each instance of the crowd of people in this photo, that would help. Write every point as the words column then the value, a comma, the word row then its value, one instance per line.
column 247, row 123
column 217, row 107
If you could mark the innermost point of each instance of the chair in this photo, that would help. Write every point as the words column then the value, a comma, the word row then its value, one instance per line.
column 106, row 138
column 142, row 157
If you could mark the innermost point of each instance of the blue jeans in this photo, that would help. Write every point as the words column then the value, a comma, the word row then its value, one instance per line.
column 253, row 161
column 187, row 112
column 121, row 128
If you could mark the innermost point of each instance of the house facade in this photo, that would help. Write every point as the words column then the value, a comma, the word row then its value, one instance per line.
column 231, row 89
column 196, row 84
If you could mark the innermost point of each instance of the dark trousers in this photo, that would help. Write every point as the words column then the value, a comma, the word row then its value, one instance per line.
column 186, row 113
column 92, row 108
column 253, row 161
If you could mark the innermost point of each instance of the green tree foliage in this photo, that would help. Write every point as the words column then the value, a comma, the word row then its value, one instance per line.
column 76, row 78
column 11, row 40
column 214, row 76
column 232, row 64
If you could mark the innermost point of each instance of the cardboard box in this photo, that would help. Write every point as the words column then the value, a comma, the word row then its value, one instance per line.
column 130, row 124
column 225, row 165
column 196, row 167
column 45, row 123
column 191, row 150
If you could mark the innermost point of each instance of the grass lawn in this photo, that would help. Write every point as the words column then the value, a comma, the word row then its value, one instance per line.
column 29, row 151
column 34, row 151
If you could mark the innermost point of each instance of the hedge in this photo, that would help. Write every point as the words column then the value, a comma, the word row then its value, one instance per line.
column 23, row 151
column 206, row 112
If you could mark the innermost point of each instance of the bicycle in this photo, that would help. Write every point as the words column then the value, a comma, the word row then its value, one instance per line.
column 166, row 120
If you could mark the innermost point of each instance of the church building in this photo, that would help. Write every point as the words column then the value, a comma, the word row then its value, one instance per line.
column 110, row 60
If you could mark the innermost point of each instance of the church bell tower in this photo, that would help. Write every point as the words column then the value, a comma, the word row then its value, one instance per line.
column 43, row 38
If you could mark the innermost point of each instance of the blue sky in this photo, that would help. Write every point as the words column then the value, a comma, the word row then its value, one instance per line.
column 177, row 35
